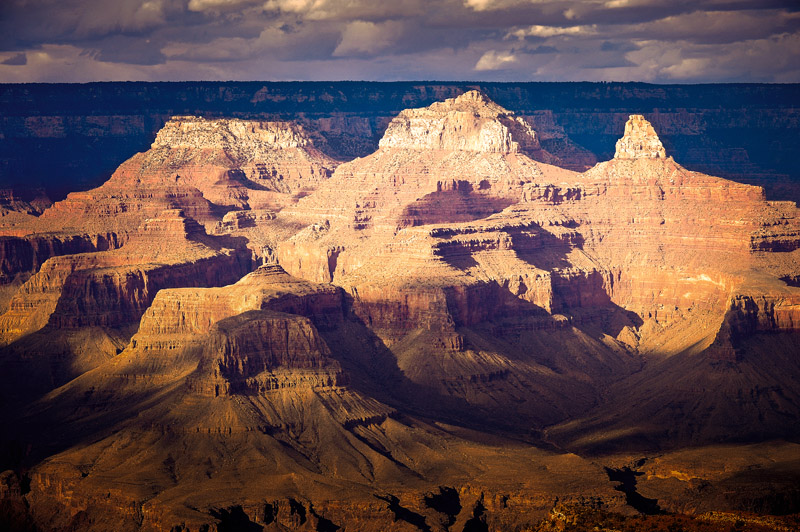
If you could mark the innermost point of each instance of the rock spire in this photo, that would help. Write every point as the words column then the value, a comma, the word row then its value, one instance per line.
column 640, row 141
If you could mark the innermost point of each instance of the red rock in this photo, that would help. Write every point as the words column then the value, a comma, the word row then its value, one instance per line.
column 636, row 306
column 111, row 289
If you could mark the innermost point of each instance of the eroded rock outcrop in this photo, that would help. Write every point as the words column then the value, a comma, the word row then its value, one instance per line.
column 699, row 260
column 445, row 288
column 420, row 238
column 468, row 122
column 640, row 141
column 228, row 370
column 200, row 166
column 637, row 247
column 78, row 310
column 415, row 179
column 238, row 162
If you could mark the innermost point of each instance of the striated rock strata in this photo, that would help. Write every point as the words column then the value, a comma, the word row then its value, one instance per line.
column 203, row 167
column 427, row 320
column 239, row 367
column 92, row 299
column 639, row 141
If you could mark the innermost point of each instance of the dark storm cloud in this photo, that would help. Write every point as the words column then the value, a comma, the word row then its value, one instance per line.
column 652, row 40
column 130, row 50
column 543, row 49
column 618, row 46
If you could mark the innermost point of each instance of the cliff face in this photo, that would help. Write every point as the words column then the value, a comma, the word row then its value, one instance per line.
column 254, row 156
column 639, row 141
column 469, row 122
column 638, row 247
column 201, row 167
column 229, row 163
column 413, row 181
column 741, row 131
column 78, row 309
column 412, row 309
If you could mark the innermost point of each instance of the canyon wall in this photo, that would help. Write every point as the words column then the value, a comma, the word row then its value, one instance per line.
column 459, row 307
column 81, row 133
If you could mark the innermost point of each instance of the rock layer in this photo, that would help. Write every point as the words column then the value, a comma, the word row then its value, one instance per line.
column 468, row 122
column 415, row 308
column 639, row 141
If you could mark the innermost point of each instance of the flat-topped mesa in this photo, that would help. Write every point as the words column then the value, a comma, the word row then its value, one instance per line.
column 240, row 163
column 469, row 122
column 238, row 137
column 640, row 141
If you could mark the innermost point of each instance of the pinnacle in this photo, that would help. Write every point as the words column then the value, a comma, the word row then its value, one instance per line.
column 640, row 141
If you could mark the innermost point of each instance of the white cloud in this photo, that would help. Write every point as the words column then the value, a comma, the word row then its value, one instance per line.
column 493, row 60
column 218, row 5
column 612, row 4
column 364, row 38
column 296, row 6
column 349, row 10
column 479, row 5
column 687, row 68
column 494, row 5
column 552, row 31
column 706, row 40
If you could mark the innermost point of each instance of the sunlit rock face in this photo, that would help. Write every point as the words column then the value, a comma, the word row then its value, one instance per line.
column 468, row 122
column 640, row 141
column 416, row 307
column 201, row 166
column 244, row 139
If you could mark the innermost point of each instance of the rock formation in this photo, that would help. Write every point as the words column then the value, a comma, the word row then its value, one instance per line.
column 639, row 141
column 412, row 180
column 82, row 300
column 425, row 322
column 237, row 162
column 470, row 122
column 88, row 130
column 200, row 166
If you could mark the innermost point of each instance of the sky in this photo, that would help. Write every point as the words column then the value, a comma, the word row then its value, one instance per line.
column 672, row 41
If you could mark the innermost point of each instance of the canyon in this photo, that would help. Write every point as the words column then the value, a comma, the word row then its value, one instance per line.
column 83, row 132
column 471, row 325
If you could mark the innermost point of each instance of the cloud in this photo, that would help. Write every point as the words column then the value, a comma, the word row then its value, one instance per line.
column 551, row 31
column 775, row 59
column 278, row 43
column 16, row 60
column 130, row 50
column 218, row 5
column 493, row 60
column 66, row 63
column 32, row 23
column 493, row 40
column 351, row 10
column 494, row 5
column 366, row 38
column 480, row 5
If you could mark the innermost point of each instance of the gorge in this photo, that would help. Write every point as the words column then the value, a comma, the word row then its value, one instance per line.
column 471, row 324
